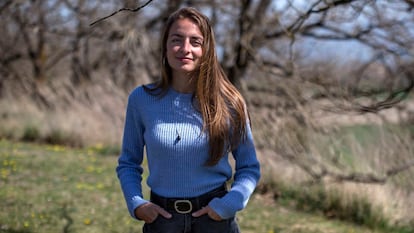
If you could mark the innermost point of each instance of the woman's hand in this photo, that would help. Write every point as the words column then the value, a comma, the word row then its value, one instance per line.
column 207, row 210
column 150, row 211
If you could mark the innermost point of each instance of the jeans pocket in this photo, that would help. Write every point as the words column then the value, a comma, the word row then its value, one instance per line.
column 205, row 224
column 164, row 225
column 153, row 227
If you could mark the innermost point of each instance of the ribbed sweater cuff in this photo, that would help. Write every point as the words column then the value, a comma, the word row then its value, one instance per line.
column 135, row 203
column 227, row 206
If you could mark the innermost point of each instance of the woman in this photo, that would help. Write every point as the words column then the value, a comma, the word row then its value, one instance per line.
column 188, row 123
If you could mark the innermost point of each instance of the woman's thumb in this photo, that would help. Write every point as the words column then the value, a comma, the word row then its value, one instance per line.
column 200, row 212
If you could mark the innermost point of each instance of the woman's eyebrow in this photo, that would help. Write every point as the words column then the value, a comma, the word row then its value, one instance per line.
column 176, row 35
column 181, row 36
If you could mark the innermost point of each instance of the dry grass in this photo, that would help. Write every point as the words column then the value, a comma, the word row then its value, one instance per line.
column 79, row 122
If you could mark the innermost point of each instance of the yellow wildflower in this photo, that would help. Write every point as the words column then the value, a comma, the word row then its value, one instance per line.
column 87, row 221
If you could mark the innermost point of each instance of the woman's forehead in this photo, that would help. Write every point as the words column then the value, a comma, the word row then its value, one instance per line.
column 185, row 27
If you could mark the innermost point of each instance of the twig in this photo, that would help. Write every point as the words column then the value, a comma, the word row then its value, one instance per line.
column 122, row 9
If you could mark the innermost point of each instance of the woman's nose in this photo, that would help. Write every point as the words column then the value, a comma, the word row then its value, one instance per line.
column 186, row 46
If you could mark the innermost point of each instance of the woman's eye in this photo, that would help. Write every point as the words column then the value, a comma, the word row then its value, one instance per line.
column 197, row 43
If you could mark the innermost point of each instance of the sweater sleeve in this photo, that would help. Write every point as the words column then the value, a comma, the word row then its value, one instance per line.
column 246, row 177
column 129, row 169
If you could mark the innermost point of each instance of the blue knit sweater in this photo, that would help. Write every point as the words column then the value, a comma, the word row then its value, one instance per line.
column 170, row 129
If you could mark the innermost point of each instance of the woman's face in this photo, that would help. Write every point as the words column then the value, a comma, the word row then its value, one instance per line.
column 184, row 46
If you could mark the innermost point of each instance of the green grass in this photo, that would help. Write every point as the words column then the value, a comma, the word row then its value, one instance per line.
column 55, row 189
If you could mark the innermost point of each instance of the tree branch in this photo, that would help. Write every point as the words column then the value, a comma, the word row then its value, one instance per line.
column 122, row 9
column 5, row 5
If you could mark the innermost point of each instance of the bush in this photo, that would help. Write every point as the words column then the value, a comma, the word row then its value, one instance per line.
column 59, row 137
column 31, row 133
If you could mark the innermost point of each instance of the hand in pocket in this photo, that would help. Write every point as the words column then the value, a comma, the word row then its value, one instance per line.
column 207, row 210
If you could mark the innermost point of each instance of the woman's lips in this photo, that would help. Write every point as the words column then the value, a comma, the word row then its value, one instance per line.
column 185, row 59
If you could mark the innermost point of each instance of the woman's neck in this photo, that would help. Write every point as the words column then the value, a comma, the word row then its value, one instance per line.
column 183, row 83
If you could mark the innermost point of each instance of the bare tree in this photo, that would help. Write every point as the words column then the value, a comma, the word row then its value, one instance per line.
column 80, row 46
column 29, row 34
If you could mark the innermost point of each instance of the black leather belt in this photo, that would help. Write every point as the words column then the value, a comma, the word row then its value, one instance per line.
column 187, row 205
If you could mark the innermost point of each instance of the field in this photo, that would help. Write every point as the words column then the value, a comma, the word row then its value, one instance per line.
column 57, row 189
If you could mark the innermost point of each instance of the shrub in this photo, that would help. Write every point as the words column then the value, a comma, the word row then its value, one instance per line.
column 59, row 137
column 31, row 133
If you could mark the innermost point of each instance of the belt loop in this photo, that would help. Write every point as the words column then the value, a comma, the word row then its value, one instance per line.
column 198, row 203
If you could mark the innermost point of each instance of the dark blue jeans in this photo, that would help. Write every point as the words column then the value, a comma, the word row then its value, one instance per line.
column 185, row 223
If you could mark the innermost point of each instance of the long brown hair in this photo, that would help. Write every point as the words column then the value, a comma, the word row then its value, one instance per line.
column 222, row 106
